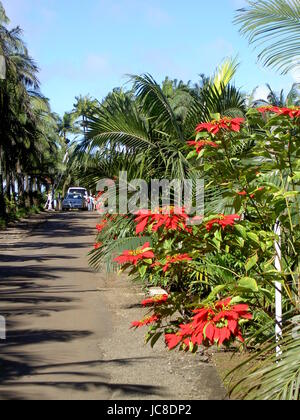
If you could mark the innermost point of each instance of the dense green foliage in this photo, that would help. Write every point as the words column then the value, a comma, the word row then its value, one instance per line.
column 30, row 146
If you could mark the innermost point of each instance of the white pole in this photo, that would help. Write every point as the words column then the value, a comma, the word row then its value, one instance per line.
column 278, row 291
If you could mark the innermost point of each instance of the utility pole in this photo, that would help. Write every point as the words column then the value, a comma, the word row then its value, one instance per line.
column 278, row 290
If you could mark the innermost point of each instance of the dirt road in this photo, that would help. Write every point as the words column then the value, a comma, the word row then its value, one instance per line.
column 68, row 331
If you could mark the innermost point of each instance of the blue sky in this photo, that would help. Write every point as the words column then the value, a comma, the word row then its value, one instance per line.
column 88, row 46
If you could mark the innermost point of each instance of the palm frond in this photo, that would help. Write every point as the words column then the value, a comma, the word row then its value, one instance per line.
column 273, row 376
column 275, row 23
column 224, row 73
column 156, row 105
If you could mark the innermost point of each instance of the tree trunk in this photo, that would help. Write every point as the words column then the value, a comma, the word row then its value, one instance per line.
column 8, row 186
column 13, row 187
column 27, row 190
column 2, row 200
column 30, row 189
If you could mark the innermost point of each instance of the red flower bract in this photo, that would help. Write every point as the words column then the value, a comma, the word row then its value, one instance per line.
column 176, row 259
column 289, row 112
column 200, row 145
column 157, row 300
column 171, row 218
column 147, row 321
column 101, row 226
column 222, row 221
column 98, row 245
column 227, row 124
column 215, row 325
column 133, row 257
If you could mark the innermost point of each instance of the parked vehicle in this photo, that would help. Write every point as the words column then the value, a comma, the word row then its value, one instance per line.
column 74, row 202
column 79, row 190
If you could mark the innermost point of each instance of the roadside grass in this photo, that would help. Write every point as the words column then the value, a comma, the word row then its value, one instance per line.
column 18, row 214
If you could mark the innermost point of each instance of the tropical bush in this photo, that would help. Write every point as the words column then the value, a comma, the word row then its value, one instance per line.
column 220, row 276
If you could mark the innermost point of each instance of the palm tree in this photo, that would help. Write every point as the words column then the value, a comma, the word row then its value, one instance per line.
column 277, row 24
column 29, row 139
column 66, row 126
column 144, row 132
column 84, row 108
column 278, row 99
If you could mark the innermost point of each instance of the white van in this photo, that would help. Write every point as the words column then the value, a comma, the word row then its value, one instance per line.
column 79, row 190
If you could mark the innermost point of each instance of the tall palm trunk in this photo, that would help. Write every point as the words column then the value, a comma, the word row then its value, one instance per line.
column 2, row 199
column 8, row 185
column 20, row 180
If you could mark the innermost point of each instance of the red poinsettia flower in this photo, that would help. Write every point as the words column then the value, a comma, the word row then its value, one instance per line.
column 172, row 340
column 227, row 124
column 157, row 300
column 101, row 226
column 289, row 112
column 171, row 218
column 223, row 221
column 133, row 257
column 200, row 145
column 215, row 325
column 98, row 245
column 147, row 321
column 176, row 259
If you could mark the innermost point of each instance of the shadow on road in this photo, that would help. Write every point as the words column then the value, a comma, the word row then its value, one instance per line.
column 31, row 289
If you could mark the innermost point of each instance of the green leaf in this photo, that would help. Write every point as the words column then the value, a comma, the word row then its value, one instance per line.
column 251, row 262
column 155, row 339
column 202, row 135
column 248, row 283
column 241, row 230
column 240, row 241
column 253, row 237
column 143, row 270
column 192, row 155
column 216, row 291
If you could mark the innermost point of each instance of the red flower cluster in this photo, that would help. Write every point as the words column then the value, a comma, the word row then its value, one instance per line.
column 98, row 245
column 245, row 193
column 101, row 226
column 200, row 145
column 242, row 193
column 215, row 325
column 147, row 321
column 157, row 300
column 289, row 112
column 222, row 221
column 133, row 257
column 176, row 259
column 171, row 218
column 228, row 124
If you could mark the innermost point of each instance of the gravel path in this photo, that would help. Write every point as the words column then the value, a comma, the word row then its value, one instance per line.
column 68, row 331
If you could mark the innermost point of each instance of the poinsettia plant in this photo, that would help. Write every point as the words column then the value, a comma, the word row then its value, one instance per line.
column 219, row 275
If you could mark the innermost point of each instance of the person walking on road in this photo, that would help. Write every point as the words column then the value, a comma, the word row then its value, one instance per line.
column 49, row 203
column 91, row 203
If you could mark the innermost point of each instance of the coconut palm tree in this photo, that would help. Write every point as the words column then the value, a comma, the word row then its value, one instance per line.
column 278, row 98
column 28, row 129
column 84, row 108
